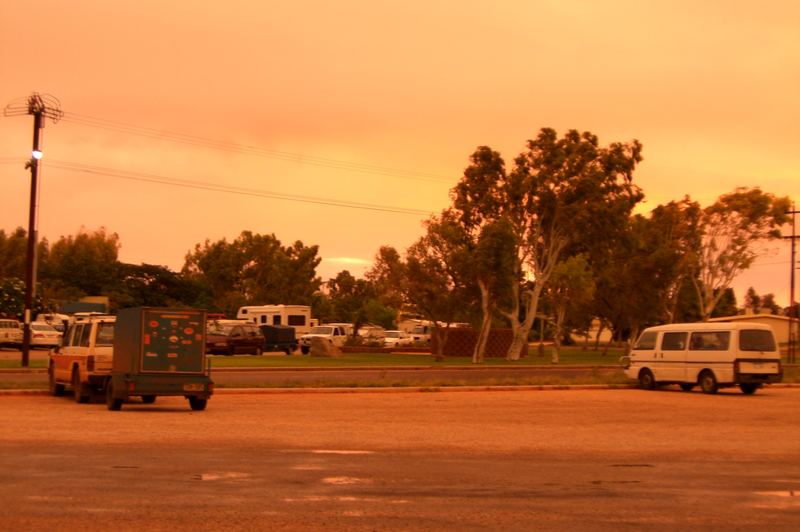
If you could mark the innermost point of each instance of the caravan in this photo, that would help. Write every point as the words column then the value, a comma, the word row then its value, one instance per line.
column 297, row 316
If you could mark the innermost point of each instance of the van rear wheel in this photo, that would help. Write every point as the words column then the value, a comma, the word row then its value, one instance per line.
column 708, row 382
column 646, row 380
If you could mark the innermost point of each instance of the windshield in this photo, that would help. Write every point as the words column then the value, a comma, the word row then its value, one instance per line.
column 322, row 330
column 220, row 330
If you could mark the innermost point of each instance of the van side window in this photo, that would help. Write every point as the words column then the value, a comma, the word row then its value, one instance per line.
column 674, row 341
column 646, row 341
column 756, row 340
column 710, row 341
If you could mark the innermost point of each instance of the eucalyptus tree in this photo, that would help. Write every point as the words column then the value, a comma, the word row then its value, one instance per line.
column 570, row 292
column 438, row 282
column 561, row 191
column 733, row 229
column 254, row 269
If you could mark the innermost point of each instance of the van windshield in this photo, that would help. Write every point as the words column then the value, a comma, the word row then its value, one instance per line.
column 756, row 340
column 646, row 341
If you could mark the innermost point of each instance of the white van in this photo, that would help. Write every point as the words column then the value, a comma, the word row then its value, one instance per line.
column 709, row 355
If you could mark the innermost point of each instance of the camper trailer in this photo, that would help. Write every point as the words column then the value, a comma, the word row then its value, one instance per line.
column 297, row 316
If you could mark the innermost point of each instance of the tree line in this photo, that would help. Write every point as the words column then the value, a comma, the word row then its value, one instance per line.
column 549, row 242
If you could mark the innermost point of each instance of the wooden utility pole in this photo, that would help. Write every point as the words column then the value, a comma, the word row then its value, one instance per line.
column 793, row 337
column 40, row 106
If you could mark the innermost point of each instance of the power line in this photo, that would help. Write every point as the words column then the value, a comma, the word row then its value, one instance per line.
column 199, row 185
column 234, row 147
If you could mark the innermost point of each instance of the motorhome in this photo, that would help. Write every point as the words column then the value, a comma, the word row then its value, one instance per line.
column 297, row 316
column 708, row 355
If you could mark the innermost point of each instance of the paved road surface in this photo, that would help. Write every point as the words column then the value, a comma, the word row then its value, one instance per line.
column 567, row 460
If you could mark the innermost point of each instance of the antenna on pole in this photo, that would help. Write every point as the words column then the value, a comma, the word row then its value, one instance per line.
column 41, row 106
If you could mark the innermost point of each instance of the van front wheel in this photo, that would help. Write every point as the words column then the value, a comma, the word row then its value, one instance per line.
column 707, row 381
column 646, row 380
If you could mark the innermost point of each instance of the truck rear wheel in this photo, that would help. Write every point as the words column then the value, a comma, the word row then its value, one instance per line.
column 79, row 391
column 749, row 388
column 197, row 403
column 112, row 403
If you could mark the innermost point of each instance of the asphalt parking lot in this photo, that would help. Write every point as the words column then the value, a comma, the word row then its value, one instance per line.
column 512, row 460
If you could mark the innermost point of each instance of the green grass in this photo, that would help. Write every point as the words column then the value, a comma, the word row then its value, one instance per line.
column 17, row 363
column 568, row 357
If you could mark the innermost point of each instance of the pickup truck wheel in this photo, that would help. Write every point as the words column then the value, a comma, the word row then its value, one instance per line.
column 79, row 391
column 148, row 399
column 112, row 403
column 55, row 388
column 197, row 403
column 305, row 350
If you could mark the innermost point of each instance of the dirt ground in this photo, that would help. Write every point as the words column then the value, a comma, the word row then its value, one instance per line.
column 512, row 460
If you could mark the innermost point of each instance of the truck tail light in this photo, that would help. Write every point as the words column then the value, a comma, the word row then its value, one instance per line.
column 131, row 386
column 90, row 363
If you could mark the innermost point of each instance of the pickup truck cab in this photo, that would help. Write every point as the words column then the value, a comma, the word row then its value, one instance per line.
column 84, row 359
column 335, row 334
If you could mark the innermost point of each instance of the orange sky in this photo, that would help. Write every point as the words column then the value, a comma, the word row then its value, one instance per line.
column 710, row 89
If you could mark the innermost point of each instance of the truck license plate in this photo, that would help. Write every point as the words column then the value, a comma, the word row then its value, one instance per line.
column 193, row 387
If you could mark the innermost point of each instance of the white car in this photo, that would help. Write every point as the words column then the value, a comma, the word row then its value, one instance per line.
column 44, row 335
column 397, row 339
column 10, row 333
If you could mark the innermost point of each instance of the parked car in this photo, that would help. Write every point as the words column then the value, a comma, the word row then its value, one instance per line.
column 397, row 339
column 335, row 334
column 422, row 333
column 233, row 338
column 10, row 333
column 372, row 333
column 44, row 335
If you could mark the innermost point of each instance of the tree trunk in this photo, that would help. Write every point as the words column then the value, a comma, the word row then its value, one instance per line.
column 520, row 340
column 441, row 340
column 486, row 324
